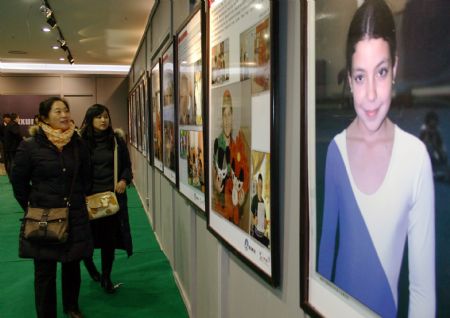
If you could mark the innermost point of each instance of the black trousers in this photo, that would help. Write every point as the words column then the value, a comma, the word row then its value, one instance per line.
column 45, row 287
column 9, row 160
column 107, row 262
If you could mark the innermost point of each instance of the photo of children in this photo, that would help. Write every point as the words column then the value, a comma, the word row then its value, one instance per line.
column 156, row 115
column 186, row 102
column 220, row 62
column 260, row 194
column 168, row 115
column 168, row 89
column 184, row 143
column 231, row 152
column 198, row 96
column 169, row 145
column 255, row 56
column 196, row 176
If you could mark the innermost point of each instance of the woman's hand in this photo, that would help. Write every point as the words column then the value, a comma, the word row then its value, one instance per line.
column 121, row 186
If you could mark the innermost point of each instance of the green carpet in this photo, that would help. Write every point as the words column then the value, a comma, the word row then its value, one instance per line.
column 148, row 289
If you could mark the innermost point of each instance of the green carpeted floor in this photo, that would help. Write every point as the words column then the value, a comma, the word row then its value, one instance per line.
column 148, row 289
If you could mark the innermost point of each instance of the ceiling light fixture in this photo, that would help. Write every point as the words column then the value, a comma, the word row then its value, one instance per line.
column 55, row 47
column 51, row 20
column 49, row 16
column 70, row 58
column 62, row 44
column 46, row 29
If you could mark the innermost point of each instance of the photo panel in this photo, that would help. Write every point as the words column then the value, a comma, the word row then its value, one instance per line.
column 146, row 126
column 139, row 116
column 143, row 124
column 129, row 118
column 168, row 112
column 242, row 208
column 134, row 123
column 156, row 117
column 191, row 164
column 375, row 171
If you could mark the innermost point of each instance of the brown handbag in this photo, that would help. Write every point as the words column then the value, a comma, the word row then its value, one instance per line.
column 100, row 205
column 46, row 225
column 49, row 225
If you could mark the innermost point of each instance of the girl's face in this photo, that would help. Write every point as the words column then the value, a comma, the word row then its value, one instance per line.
column 371, row 80
column 101, row 122
column 227, row 118
column 59, row 116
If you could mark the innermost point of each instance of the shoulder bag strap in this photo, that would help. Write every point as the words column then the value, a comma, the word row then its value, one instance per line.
column 115, row 163
column 75, row 171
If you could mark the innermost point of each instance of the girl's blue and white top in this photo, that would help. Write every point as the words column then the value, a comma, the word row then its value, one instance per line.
column 372, row 229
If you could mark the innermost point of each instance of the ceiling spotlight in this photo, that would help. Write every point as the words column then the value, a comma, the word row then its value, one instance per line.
column 51, row 20
column 62, row 44
column 48, row 15
column 61, row 59
column 70, row 58
column 55, row 47
column 46, row 29
column 44, row 9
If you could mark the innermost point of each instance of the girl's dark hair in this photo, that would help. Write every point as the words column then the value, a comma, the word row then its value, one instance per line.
column 87, row 127
column 373, row 20
column 46, row 105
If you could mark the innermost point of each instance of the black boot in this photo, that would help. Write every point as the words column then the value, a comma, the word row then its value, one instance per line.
column 107, row 285
column 92, row 270
column 107, row 263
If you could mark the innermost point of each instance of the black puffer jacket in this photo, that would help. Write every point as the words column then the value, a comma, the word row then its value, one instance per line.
column 42, row 176
column 12, row 137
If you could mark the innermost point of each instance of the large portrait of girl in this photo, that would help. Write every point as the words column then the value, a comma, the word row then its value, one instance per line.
column 381, row 170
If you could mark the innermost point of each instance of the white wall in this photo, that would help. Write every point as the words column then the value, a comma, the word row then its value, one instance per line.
column 214, row 283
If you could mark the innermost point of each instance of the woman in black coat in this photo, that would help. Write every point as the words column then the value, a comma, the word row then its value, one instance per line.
column 47, row 167
column 113, row 231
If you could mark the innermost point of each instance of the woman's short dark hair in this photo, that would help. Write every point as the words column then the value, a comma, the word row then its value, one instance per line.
column 87, row 127
column 46, row 105
column 373, row 20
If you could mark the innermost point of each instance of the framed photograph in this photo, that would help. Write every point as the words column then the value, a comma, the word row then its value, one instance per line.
column 374, row 161
column 191, row 159
column 168, row 112
column 147, row 118
column 242, row 125
column 156, row 117
column 142, row 92
column 129, row 119
column 134, row 119
column 139, row 115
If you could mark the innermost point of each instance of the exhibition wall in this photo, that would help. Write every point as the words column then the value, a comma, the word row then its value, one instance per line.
column 213, row 281
column 81, row 91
